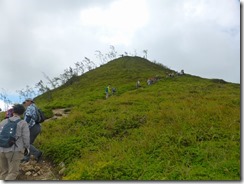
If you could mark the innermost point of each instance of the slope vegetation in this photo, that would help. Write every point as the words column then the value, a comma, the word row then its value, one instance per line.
column 180, row 128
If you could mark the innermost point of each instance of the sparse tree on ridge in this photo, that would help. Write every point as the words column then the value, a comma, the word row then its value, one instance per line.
column 112, row 53
column 64, row 77
column 145, row 54
column 40, row 86
column 79, row 68
column 51, row 82
column 30, row 91
column 26, row 93
column 99, row 55
column 89, row 63
column 68, row 73
column 3, row 97
column 55, row 81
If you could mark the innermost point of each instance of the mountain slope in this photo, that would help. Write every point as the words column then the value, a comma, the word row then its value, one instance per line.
column 180, row 128
column 121, row 73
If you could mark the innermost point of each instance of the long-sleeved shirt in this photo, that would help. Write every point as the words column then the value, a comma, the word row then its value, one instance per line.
column 30, row 115
column 22, row 135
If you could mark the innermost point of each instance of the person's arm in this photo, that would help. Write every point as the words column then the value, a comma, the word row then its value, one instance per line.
column 27, row 119
column 26, row 135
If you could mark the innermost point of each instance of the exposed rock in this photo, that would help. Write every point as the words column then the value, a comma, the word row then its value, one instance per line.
column 58, row 114
column 37, row 171
column 61, row 172
column 28, row 173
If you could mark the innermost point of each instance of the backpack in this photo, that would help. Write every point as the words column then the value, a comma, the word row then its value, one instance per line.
column 8, row 134
column 40, row 116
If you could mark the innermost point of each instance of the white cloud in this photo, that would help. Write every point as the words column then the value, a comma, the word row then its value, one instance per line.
column 118, row 22
column 2, row 107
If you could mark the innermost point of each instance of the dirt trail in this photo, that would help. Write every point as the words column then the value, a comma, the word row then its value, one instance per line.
column 37, row 171
column 43, row 170
column 59, row 113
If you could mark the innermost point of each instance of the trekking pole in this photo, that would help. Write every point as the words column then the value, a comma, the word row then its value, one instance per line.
column 15, row 145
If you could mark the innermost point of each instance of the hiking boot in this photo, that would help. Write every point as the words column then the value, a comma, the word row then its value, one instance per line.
column 24, row 160
column 38, row 159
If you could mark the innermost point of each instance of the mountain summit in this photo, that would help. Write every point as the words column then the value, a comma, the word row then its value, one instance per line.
column 179, row 127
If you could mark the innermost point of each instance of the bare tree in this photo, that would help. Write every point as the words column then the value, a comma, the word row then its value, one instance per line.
column 145, row 54
column 112, row 53
column 4, row 98
column 89, row 64
column 79, row 68
column 28, row 92
column 41, row 87
column 68, row 73
column 53, row 83
column 103, row 59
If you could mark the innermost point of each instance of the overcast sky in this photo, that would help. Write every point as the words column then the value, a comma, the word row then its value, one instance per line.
column 200, row 36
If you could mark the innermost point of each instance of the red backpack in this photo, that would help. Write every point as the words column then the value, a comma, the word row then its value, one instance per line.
column 9, row 113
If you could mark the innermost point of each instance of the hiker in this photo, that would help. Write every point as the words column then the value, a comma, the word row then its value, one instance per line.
column 107, row 91
column 149, row 82
column 9, row 112
column 138, row 84
column 10, row 157
column 30, row 116
column 113, row 90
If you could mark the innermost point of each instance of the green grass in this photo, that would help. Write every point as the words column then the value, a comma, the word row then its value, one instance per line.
column 182, row 128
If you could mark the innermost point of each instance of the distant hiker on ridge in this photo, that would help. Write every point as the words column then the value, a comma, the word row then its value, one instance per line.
column 107, row 91
column 113, row 90
column 138, row 84
column 149, row 82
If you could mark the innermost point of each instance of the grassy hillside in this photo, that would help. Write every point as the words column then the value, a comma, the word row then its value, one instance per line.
column 181, row 128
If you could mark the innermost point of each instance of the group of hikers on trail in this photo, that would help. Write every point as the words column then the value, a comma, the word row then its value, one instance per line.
column 18, row 132
column 109, row 91
column 149, row 81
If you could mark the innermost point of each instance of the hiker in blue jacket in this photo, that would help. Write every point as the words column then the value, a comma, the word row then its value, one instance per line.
column 35, row 129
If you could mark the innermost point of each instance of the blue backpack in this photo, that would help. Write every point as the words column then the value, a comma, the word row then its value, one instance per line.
column 8, row 134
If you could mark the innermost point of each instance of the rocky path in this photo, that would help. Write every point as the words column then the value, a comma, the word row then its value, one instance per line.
column 37, row 171
column 44, row 170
